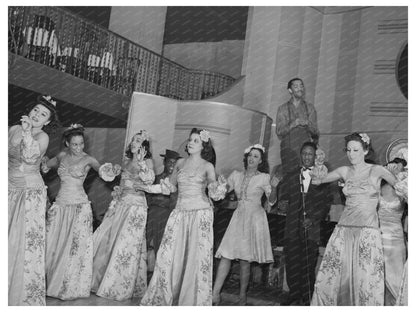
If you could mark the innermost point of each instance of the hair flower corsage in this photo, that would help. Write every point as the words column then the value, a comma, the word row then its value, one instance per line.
column 75, row 126
column 49, row 99
column 365, row 137
column 144, row 135
column 257, row 146
column 204, row 135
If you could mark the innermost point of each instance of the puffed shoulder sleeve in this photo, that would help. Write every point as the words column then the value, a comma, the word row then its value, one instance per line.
column 231, row 180
column 401, row 188
column 146, row 174
column 266, row 184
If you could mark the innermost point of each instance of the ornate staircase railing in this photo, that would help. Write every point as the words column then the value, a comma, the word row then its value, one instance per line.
column 60, row 39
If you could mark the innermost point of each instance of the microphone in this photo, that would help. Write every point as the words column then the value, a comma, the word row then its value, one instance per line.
column 301, row 174
column 301, row 179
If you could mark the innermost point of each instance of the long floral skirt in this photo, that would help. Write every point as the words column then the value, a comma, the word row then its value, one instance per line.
column 183, row 269
column 120, row 269
column 69, row 251
column 352, row 269
column 27, row 246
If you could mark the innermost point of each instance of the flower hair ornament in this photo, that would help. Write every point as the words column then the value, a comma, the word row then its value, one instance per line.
column 144, row 135
column 204, row 135
column 365, row 138
column 258, row 146
column 75, row 126
column 48, row 98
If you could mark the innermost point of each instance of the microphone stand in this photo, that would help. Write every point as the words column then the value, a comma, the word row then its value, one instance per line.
column 305, row 232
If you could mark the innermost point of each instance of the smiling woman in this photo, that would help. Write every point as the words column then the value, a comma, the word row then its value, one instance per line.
column 27, row 203
column 247, row 238
column 69, row 220
column 183, row 269
column 352, row 269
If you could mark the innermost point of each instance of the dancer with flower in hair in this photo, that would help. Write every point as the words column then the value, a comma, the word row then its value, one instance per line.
column 352, row 268
column 28, row 142
column 69, row 220
column 247, row 237
column 390, row 211
column 120, row 270
column 183, row 269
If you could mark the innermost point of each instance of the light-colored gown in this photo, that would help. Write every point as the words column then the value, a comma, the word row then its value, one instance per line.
column 27, row 206
column 69, row 237
column 120, row 268
column 183, row 269
column 402, row 298
column 390, row 214
column 352, row 268
column 248, row 236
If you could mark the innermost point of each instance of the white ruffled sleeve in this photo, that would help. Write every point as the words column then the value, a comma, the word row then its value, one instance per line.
column 231, row 180
column 107, row 172
column 165, row 187
column 146, row 174
column 217, row 190
column 267, row 188
column 401, row 187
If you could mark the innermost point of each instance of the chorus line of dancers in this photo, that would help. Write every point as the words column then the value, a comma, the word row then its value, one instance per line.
column 54, row 252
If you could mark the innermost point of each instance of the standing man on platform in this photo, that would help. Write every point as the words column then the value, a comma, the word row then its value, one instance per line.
column 296, row 123
column 308, row 206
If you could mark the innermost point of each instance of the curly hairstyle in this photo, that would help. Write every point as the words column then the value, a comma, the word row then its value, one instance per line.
column 263, row 166
column 357, row 137
column 71, row 132
column 208, row 152
column 310, row 144
column 54, row 122
column 398, row 160
column 145, row 144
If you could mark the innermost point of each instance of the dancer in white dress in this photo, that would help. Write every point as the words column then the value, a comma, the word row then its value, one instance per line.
column 247, row 238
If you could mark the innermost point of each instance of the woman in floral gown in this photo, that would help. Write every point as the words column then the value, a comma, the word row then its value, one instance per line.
column 183, row 269
column 27, row 203
column 247, row 238
column 352, row 268
column 120, row 241
column 390, row 211
column 69, row 221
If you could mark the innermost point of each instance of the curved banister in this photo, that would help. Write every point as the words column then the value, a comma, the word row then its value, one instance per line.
column 61, row 39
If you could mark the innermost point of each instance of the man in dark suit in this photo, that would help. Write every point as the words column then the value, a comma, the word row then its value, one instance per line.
column 308, row 206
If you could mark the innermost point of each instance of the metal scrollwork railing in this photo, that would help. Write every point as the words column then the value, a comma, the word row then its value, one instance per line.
column 60, row 39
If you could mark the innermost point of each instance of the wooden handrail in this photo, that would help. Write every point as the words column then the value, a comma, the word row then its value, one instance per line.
column 58, row 38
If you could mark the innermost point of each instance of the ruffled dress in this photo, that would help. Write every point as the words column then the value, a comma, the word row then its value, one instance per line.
column 247, row 236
